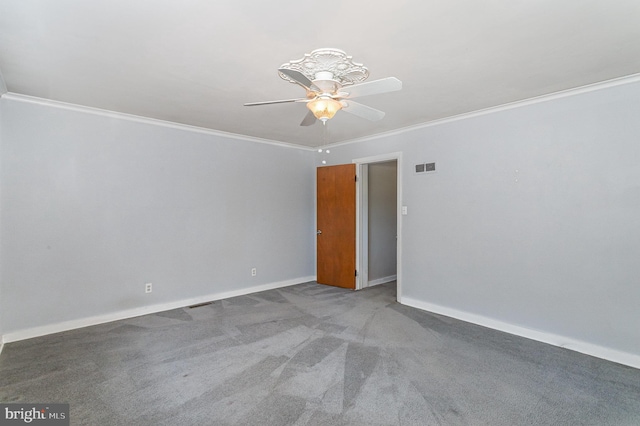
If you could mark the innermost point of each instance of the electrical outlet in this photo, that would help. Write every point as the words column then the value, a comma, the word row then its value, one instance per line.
column 254, row 272
column 148, row 288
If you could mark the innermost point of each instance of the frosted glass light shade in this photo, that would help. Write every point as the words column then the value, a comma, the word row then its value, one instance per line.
column 324, row 108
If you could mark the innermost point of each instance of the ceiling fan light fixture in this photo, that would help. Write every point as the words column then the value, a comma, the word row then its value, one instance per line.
column 324, row 73
column 324, row 108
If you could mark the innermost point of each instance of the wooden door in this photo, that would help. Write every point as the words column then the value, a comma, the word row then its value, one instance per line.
column 336, row 217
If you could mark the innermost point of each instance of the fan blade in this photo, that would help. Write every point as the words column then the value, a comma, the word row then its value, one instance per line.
column 309, row 119
column 389, row 84
column 298, row 77
column 362, row 111
column 276, row 102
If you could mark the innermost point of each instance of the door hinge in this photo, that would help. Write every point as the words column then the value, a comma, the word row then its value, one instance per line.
column 356, row 178
column 356, row 272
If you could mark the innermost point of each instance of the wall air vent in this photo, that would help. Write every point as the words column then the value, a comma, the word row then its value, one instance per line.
column 426, row 168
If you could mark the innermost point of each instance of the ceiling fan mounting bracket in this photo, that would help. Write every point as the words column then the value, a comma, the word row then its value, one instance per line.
column 327, row 64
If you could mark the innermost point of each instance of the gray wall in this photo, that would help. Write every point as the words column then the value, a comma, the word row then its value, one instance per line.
column 533, row 215
column 3, row 86
column 382, row 183
column 1, row 209
column 94, row 206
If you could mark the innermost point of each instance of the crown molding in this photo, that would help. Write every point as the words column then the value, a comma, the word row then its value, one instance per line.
column 633, row 78
column 146, row 120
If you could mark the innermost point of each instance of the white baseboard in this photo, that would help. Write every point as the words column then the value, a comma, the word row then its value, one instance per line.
column 626, row 358
column 143, row 310
column 382, row 280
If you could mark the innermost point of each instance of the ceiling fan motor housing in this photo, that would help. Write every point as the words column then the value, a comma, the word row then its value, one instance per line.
column 324, row 75
column 326, row 84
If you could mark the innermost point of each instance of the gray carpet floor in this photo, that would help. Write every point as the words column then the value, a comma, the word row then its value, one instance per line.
column 314, row 355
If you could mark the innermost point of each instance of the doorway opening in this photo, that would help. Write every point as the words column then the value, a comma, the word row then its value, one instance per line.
column 378, row 221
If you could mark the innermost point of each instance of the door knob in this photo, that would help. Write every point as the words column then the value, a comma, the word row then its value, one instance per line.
column 318, row 232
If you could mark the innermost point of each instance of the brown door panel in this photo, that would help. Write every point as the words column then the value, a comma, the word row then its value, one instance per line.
column 336, row 217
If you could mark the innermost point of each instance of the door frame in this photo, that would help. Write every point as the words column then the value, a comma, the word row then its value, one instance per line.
column 362, row 251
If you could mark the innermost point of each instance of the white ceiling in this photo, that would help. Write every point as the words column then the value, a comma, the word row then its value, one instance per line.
column 197, row 62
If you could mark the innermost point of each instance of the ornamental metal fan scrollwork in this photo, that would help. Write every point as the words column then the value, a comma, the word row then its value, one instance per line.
column 341, row 66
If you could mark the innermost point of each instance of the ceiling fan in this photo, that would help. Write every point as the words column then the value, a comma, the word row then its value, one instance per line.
column 330, row 79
